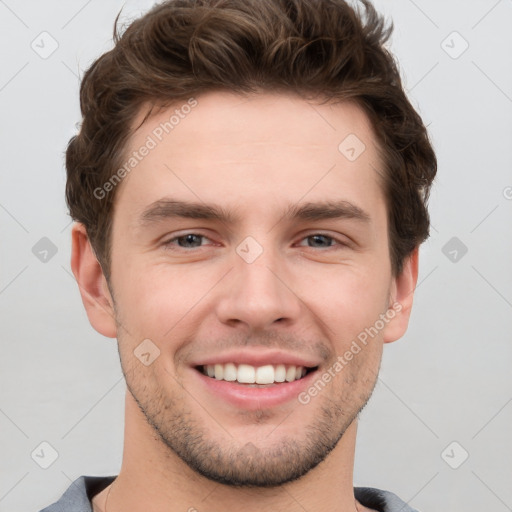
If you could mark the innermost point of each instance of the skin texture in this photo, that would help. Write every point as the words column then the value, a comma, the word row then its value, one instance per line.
column 185, row 447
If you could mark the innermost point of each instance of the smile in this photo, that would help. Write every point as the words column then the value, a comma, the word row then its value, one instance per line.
column 255, row 375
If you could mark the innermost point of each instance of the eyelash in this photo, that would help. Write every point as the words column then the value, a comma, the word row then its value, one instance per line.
column 169, row 243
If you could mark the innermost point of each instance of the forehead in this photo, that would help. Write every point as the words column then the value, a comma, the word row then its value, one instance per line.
column 226, row 120
column 253, row 150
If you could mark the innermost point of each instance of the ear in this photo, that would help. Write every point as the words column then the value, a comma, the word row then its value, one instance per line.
column 92, row 283
column 401, row 298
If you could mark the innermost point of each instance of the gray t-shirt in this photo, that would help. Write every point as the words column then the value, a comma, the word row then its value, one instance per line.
column 79, row 494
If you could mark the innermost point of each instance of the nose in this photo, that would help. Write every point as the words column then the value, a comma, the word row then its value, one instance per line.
column 259, row 295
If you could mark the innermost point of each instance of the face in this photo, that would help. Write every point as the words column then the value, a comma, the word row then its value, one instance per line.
column 246, row 243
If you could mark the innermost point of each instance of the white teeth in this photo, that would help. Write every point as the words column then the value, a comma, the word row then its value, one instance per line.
column 290, row 374
column 247, row 374
column 219, row 371
column 230, row 372
column 280, row 373
column 265, row 374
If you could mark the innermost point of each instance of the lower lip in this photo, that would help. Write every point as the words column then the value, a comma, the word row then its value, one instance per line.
column 252, row 398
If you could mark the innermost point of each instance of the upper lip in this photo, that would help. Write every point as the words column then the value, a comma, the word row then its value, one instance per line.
column 258, row 358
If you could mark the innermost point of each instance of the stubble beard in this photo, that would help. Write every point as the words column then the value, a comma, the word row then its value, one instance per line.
column 240, row 463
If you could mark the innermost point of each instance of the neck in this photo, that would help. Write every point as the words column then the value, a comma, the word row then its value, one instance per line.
column 154, row 479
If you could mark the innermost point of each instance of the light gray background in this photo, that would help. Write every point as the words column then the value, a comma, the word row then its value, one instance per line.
column 447, row 380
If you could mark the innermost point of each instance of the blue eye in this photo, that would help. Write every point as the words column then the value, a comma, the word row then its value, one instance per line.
column 195, row 240
column 188, row 241
column 321, row 240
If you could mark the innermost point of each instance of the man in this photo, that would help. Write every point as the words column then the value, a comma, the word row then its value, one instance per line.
column 250, row 187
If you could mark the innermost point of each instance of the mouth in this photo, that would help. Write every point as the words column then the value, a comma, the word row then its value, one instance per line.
column 268, row 375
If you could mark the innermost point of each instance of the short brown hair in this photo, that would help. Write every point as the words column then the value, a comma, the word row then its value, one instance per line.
column 316, row 48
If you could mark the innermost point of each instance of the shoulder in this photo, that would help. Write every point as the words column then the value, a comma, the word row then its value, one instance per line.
column 380, row 500
column 78, row 496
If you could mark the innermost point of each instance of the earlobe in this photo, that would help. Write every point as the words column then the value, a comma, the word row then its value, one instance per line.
column 402, row 294
column 92, row 283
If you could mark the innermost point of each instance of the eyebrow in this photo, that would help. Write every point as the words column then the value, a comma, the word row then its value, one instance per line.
column 327, row 210
column 171, row 208
column 167, row 208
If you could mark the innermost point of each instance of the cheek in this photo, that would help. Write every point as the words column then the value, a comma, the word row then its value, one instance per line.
column 346, row 299
column 157, row 298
